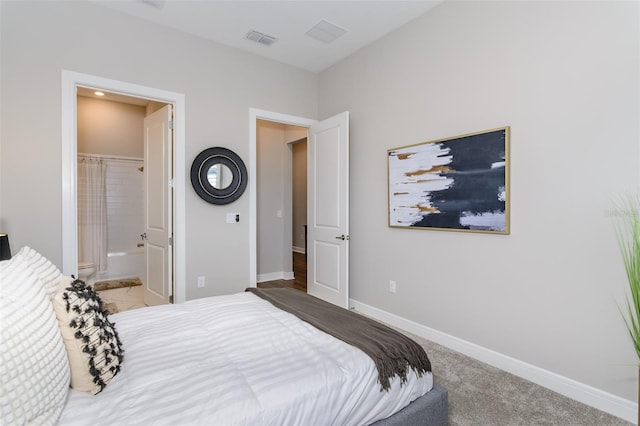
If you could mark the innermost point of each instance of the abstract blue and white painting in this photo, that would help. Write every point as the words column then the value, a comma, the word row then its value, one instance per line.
column 459, row 183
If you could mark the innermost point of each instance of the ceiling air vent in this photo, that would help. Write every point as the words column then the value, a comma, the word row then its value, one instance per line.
column 158, row 4
column 325, row 31
column 261, row 38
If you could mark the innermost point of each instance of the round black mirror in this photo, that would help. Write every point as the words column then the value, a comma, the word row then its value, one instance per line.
column 218, row 175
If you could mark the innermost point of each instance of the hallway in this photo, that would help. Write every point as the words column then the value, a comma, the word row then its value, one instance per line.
column 299, row 272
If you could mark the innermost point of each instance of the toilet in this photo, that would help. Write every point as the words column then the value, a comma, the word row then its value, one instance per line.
column 86, row 272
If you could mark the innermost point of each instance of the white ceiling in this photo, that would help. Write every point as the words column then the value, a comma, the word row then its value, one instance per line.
column 113, row 97
column 228, row 22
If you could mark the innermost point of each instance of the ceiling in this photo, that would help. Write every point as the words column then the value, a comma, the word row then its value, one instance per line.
column 110, row 96
column 229, row 21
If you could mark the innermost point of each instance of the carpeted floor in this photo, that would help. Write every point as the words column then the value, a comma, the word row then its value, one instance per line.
column 480, row 394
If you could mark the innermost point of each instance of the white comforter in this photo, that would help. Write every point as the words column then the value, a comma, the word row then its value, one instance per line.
column 236, row 360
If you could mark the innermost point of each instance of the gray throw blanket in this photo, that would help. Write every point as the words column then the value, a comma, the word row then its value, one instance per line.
column 392, row 352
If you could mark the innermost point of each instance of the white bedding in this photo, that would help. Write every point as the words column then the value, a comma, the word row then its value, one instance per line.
column 237, row 360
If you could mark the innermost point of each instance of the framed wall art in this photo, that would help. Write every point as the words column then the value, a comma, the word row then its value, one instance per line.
column 456, row 184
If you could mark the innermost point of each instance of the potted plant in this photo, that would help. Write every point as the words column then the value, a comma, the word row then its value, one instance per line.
column 628, row 232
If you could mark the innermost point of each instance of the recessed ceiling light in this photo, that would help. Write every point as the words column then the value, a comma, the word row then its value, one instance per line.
column 98, row 93
column 326, row 31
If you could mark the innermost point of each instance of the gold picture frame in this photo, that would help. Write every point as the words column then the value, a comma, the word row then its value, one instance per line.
column 459, row 183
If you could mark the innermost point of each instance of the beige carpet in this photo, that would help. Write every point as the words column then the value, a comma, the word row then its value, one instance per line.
column 480, row 394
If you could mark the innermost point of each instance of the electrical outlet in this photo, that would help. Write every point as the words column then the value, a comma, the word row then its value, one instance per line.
column 201, row 281
column 392, row 286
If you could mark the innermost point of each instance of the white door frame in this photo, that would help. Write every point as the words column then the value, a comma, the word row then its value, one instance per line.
column 254, row 115
column 70, row 81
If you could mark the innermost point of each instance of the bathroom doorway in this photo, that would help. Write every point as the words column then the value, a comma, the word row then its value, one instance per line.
column 174, row 271
column 111, row 195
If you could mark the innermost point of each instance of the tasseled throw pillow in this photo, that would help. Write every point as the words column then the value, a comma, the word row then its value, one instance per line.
column 93, row 346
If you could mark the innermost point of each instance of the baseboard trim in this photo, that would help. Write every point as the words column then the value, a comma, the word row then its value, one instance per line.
column 605, row 401
column 272, row 276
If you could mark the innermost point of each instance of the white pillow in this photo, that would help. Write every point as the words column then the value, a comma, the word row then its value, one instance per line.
column 43, row 268
column 34, row 370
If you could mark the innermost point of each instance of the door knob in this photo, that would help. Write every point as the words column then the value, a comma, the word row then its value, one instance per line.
column 342, row 237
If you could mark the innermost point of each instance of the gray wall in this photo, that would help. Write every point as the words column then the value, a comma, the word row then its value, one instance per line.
column 271, row 168
column 565, row 77
column 275, row 169
column 39, row 39
column 299, row 191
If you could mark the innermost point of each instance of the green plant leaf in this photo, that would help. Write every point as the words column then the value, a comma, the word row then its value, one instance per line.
column 628, row 233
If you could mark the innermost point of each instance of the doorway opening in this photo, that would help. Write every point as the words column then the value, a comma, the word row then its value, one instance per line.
column 267, row 118
column 111, row 195
column 328, row 203
column 73, row 82
column 281, row 204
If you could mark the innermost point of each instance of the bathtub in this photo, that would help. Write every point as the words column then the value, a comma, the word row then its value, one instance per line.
column 123, row 264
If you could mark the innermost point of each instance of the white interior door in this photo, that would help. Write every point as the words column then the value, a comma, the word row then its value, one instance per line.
column 328, row 210
column 158, row 280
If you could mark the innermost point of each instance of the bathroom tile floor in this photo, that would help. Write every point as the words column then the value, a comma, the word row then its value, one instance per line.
column 125, row 299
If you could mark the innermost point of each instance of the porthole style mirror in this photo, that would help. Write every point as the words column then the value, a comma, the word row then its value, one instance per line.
column 218, row 175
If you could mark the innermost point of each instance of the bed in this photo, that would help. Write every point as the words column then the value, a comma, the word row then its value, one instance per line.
column 225, row 360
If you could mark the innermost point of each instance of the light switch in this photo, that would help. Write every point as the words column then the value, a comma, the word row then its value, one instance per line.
column 233, row 217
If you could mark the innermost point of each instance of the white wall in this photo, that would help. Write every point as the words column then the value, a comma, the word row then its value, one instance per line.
column 125, row 205
column 565, row 77
column 299, row 191
column 40, row 39
column 110, row 128
column 271, row 152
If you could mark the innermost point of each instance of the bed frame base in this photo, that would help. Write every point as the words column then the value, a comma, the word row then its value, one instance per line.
column 431, row 409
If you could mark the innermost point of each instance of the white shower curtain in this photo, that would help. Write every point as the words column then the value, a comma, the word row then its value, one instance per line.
column 92, row 212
